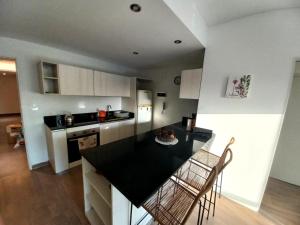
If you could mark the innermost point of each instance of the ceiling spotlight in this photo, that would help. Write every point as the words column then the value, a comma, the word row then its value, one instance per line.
column 4, row 74
column 177, row 41
column 135, row 53
column 135, row 7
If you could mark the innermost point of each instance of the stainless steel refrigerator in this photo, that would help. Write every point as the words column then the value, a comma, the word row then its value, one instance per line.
column 144, row 111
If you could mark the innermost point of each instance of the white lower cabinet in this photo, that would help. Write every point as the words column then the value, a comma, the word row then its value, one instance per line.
column 126, row 128
column 57, row 149
column 114, row 131
column 109, row 132
column 103, row 203
column 57, row 140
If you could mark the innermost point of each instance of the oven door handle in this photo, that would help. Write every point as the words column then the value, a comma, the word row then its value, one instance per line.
column 82, row 136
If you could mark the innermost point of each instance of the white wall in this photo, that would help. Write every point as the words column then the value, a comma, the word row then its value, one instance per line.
column 28, row 55
column 286, row 165
column 163, row 82
column 264, row 45
column 188, row 13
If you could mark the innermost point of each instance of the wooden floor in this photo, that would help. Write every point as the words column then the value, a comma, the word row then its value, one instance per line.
column 281, row 203
column 38, row 197
column 41, row 198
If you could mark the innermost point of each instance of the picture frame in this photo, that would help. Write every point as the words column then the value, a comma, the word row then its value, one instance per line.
column 238, row 86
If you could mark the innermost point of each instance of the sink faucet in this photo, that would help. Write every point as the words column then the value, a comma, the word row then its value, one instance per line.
column 108, row 107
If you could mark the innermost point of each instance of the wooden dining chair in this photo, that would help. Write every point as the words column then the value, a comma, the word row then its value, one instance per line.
column 173, row 203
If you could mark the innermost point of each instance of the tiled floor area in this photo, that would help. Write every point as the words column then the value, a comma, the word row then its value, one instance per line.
column 40, row 197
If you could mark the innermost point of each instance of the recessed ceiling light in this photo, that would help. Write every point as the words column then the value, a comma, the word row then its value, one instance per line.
column 177, row 41
column 135, row 7
column 135, row 53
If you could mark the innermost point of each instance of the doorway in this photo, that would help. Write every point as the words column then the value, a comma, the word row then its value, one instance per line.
column 13, row 157
column 281, row 201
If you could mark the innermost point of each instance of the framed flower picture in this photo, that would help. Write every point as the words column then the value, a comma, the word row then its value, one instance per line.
column 238, row 87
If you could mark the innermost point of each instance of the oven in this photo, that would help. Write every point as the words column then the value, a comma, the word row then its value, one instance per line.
column 79, row 139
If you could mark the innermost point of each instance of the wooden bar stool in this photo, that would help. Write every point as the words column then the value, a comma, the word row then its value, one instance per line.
column 173, row 203
column 198, row 168
column 210, row 160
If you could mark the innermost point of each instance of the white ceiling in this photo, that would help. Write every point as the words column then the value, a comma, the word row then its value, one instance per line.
column 100, row 28
column 220, row 11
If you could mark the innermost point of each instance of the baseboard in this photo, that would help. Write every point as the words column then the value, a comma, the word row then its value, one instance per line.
column 76, row 163
column 242, row 201
column 39, row 165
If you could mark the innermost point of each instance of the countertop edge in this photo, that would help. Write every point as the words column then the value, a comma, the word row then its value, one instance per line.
column 98, row 122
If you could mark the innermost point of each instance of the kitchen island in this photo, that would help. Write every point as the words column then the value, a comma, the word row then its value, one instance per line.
column 131, row 170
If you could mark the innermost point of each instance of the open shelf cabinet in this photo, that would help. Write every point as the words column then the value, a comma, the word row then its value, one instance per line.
column 97, row 196
column 49, row 77
column 94, row 218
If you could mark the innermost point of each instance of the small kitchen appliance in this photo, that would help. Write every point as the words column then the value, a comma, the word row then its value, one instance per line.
column 69, row 119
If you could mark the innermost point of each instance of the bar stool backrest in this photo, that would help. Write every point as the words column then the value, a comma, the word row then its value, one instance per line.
column 232, row 140
column 205, row 188
column 224, row 160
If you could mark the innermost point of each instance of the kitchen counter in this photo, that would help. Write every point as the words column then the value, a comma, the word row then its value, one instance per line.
column 138, row 166
column 57, row 122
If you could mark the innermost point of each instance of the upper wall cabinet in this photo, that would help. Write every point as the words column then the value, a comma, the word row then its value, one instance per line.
column 63, row 79
column 75, row 80
column 190, row 84
column 106, row 84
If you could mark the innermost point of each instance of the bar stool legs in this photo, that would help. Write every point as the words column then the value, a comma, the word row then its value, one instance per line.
column 220, row 192
column 203, row 210
column 130, row 218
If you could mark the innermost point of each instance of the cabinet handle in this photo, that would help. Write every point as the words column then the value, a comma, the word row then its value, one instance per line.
column 58, row 130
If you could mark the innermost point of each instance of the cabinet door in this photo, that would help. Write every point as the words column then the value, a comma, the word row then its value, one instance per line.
column 75, row 81
column 57, row 149
column 106, row 84
column 118, row 85
column 86, row 79
column 126, row 128
column 109, row 132
column 60, row 150
column 190, row 84
column 68, row 80
column 100, row 83
column 125, row 86
column 114, row 85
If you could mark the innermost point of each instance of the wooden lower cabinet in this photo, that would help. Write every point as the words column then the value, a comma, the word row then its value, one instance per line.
column 103, row 203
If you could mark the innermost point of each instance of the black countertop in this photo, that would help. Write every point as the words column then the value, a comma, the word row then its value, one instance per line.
column 57, row 122
column 138, row 166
